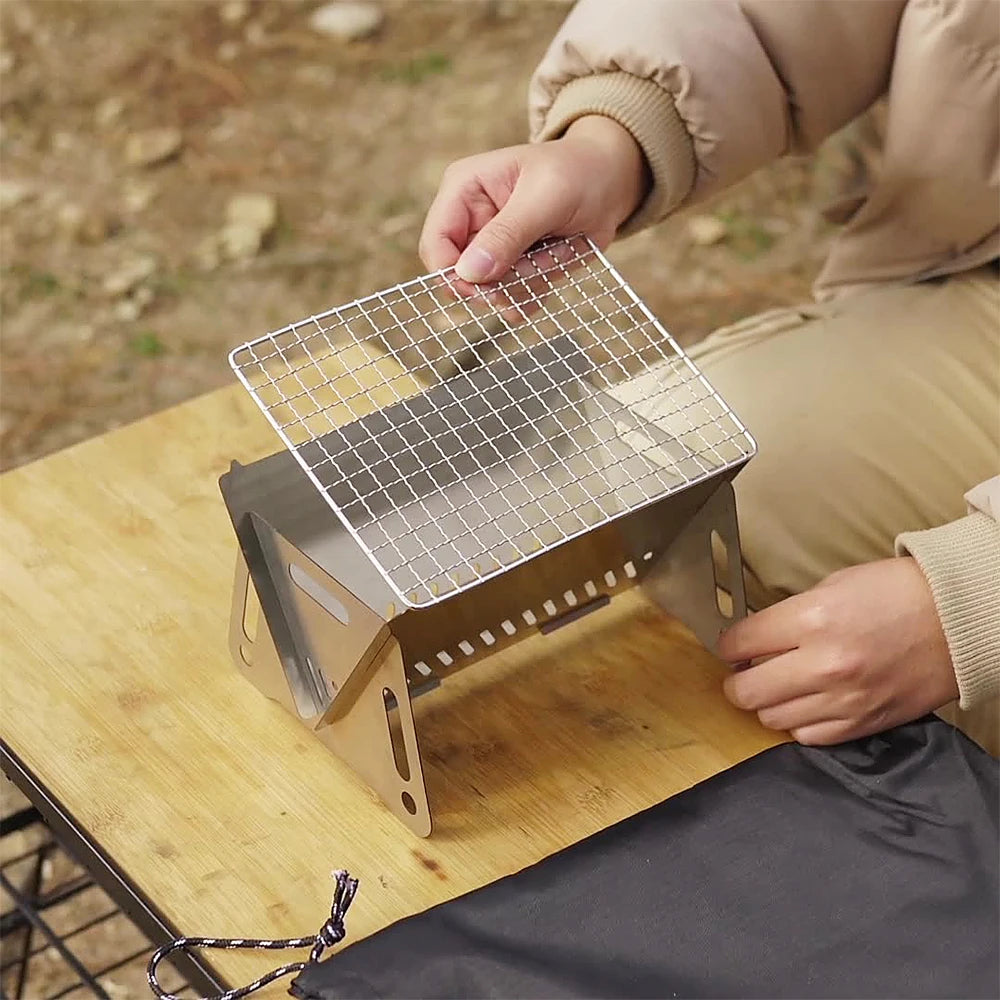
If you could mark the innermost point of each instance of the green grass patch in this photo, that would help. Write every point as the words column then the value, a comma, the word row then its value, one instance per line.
column 416, row 70
column 34, row 283
column 745, row 235
column 147, row 344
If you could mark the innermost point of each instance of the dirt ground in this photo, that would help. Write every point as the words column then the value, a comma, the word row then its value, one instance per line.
column 112, row 306
column 107, row 936
column 126, row 128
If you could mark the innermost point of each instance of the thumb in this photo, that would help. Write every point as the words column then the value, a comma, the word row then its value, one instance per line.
column 498, row 245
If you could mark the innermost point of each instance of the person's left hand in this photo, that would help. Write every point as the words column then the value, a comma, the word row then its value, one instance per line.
column 859, row 653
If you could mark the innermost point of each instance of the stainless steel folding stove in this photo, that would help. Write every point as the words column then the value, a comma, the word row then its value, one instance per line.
column 462, row 468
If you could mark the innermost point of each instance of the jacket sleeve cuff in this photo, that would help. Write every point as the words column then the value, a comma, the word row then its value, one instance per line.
column 647, row 111
column 961, row 561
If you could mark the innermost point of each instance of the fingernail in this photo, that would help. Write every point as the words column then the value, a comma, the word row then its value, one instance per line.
column 476, row 264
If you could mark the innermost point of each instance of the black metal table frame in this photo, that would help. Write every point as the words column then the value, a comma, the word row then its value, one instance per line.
column 105, row 872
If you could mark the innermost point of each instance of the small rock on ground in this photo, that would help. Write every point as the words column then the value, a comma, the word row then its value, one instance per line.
column 705, row 230
column 127, row 310
column 132, row 273
column 109, row 111
column 153, row 146
column 348, row 21
column 234, row 11
column 131, row 308
column 13, row 192
column 253, row 209
column 238, row 241
column 137, row 194
column 82, row 223
column 250, row 219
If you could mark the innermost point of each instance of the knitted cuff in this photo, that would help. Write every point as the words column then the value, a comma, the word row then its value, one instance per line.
column 961, row 561
column 647, row 111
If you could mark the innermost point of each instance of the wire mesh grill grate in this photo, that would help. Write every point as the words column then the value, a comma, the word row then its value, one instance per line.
column 475, row 428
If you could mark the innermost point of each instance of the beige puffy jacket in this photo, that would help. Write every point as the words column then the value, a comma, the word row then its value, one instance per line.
column 713, row 89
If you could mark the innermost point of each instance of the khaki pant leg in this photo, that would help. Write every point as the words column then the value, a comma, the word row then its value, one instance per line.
column 873, row 415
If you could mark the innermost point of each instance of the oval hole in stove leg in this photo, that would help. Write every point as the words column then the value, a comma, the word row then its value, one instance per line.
column 720, row 568
column 251, row 611
column 399, row 757
column 408, row 804
column 318, row 593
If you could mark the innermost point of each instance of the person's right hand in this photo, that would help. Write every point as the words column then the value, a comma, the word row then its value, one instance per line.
column 492, row 207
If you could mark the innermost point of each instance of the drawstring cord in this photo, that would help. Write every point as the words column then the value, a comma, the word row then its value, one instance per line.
column 331, row 933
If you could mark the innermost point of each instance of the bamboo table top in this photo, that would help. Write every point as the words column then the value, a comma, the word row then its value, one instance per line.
column 119, row 694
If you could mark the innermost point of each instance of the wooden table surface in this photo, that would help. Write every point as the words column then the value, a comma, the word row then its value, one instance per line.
column 119, row 694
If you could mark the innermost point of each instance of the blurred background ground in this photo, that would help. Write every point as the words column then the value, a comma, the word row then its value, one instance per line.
column 95, row 931
column 132, row 132
column 178, row 177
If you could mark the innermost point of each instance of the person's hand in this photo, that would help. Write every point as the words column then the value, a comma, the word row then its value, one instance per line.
column 859, row 653
column 492, row 207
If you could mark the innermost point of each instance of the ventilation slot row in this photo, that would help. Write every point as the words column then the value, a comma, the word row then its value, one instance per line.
column 570, row 599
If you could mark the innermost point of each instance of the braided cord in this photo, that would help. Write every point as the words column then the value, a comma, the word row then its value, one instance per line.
column 331, row 933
